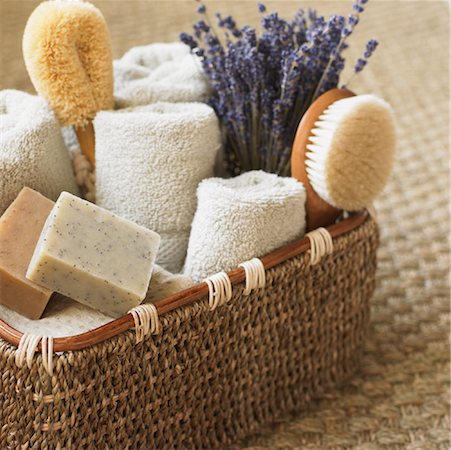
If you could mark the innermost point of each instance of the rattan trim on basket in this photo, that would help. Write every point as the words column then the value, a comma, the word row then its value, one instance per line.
column 321, row 244
column 255, row 275
column 185, row 297
column 219, row 289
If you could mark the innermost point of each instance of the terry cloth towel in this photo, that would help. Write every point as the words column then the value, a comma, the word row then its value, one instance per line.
column 240, row 218
column 66, row 317
column 159, row 72
column 32, row 150
column 149, row 162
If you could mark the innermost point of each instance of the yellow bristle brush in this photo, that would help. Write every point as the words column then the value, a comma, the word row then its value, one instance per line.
column 343, row 153
column 67, row 52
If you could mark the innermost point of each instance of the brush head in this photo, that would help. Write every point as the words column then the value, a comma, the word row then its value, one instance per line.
column 350, row 152
column 319, row 213
column 67, row 52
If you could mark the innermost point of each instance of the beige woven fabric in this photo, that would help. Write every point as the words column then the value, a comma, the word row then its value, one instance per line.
column 400, row 397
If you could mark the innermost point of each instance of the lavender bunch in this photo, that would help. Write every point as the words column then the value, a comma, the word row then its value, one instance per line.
column 263, row 84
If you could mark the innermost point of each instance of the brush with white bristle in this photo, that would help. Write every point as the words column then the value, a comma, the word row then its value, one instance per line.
column 344, row 153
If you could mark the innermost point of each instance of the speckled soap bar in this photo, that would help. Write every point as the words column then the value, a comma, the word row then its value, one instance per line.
column 94, row 256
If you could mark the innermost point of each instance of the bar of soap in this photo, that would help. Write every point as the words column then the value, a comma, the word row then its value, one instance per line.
column 94, row 256
column 20, row 227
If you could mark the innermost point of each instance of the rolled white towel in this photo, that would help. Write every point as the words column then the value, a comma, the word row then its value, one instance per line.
column 240, row 218
column 149, row 161
column 32, row 150
column 159, row 72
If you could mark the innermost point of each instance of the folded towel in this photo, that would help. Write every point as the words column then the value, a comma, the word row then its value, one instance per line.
column 240, row 218
column 66, row 317
column 149, row 161
column 32, row 150
column 159, row 72
column 164, row 284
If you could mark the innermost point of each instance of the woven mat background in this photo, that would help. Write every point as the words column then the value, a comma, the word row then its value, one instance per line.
column 400, row 398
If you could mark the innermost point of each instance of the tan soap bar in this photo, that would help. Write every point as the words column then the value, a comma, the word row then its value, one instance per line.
column 94, row 256
column 20, row 227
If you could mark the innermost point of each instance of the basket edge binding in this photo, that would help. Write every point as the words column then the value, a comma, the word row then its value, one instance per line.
column 193, row 293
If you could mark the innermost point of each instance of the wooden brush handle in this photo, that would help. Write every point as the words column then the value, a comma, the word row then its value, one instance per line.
column 86, row 140
column 319, row 213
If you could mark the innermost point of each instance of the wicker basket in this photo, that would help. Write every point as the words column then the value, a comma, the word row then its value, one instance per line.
column 211, row 376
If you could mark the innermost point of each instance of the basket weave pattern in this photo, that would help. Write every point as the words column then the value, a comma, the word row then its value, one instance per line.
column 211, row 377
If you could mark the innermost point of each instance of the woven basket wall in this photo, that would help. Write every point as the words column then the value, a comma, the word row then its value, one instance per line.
column 211, row 377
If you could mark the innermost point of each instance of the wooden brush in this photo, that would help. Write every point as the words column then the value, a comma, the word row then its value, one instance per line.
column 343, row 153
column 67, row 52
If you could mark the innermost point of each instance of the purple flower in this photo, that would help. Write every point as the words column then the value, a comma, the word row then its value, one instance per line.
column 201, row 9
column 263, row 83
column 188, row 40
column 360, row 64
column 353, row 20
column 199, row 28
column 370, row 47
column 369, row 50
column 357, row 8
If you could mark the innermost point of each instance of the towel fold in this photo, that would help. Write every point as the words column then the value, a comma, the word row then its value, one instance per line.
column 32, row 150
column 159, row 72
column 163, row 284
column 66, row 317
column 149, row 161
column 240, row 218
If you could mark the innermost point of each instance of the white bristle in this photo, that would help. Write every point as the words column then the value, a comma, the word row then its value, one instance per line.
column 319, row 157
column 319, row 183
column 315, row 174
column 319, row 132
column 317, row 152
column 314, row 165
column 314, row 148
column 320, row 140
column 324, row 125
column 318, row 180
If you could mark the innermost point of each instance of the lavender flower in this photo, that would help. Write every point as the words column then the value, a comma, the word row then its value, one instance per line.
column 188, row 40
column 360, row 64
column 263, row 84
column 363, row 60
column 370, row 47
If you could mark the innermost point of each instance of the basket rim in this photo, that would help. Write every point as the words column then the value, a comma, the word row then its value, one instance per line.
column 184, row 297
